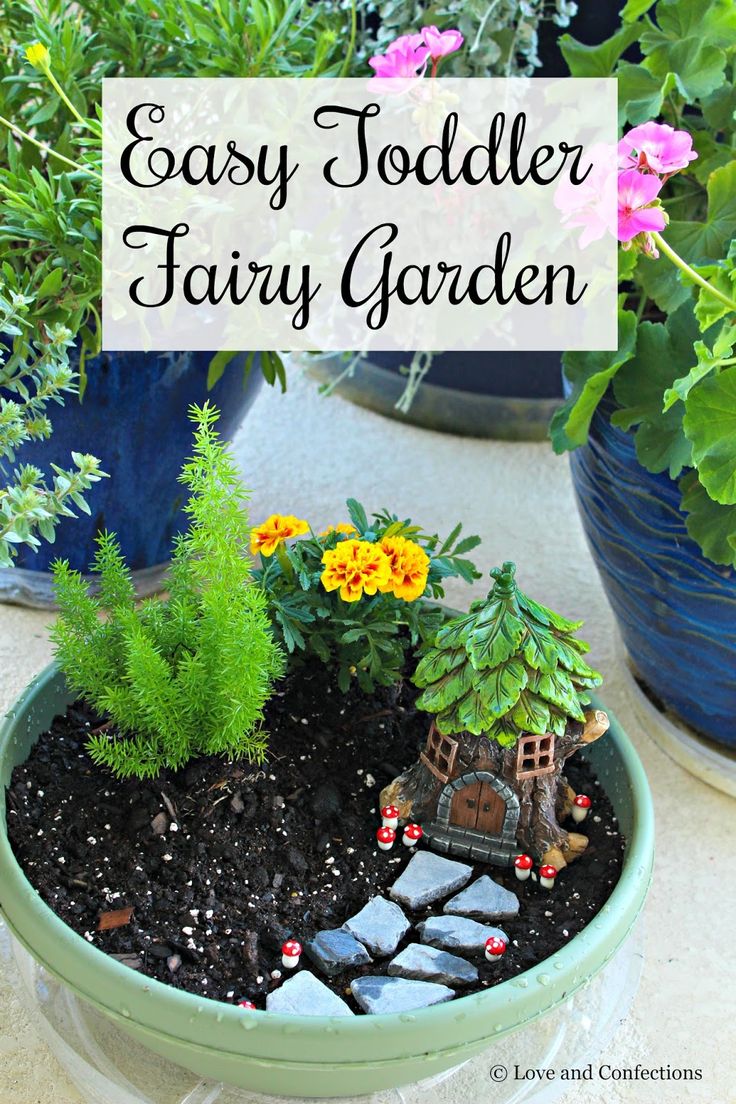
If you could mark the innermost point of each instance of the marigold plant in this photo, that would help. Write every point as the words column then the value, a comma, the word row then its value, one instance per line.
column 349, row 596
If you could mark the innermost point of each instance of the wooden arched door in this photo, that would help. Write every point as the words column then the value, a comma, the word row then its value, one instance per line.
column 478, row 806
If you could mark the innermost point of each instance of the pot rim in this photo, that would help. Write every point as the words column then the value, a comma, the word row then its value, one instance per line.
column 133, row 999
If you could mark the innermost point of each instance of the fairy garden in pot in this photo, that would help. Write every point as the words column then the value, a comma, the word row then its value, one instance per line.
column 306, row 786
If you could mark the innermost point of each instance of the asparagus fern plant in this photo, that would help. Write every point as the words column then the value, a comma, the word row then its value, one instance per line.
column 509, row 666
column 184, row 676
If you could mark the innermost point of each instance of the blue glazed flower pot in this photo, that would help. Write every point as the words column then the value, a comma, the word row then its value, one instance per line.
column 676, row 610
column 134, row 418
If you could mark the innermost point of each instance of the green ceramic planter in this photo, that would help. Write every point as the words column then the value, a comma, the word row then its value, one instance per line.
column 318, row 1056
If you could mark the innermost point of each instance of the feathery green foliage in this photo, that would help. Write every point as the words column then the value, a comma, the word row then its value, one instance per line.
column 507, row 667
column 184, row 676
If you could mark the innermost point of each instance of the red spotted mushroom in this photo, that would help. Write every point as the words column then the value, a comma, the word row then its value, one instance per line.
column 390, row 816
column 291, row 953
column 523, row 866
column 580, row 807
column 246, row 1004
column 547, row 875
column 412, row 835
column 495, row 948
column 385, row 838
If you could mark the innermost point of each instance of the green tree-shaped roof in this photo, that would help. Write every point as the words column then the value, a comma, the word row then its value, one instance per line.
column 507, row 667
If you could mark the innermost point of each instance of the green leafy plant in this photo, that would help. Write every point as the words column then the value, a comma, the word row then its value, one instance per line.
column 53, row 58
column 33, row 374
column 378, row 570
column 184, row 676
column 506, row 668
column 673, row 376
column 501, row 36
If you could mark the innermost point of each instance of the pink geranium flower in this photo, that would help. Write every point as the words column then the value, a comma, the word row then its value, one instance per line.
column 441, row 43
column 403, row 63
column 592, row 204
column 410, row 41
column 636, row 192
column 657, row 147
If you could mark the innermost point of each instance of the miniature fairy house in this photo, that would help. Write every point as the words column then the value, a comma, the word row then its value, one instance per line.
column 506, row 685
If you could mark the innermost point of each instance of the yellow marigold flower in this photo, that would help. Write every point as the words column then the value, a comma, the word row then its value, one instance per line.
column 345, row 527
column 266, row 537
column 38, row 55
column 355, row 567
column 409, row 568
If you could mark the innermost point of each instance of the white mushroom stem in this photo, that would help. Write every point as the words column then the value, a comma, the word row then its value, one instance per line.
column 579, row 813
column 290, row 961
column 548, row 883
column 522, row 875
column 390, row 822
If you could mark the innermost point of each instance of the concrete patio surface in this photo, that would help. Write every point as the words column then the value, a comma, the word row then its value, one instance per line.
column 305, row 454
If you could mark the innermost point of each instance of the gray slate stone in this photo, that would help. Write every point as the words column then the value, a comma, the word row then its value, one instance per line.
column 305, row 995
column 427, row 878
column 457, row 933
column 423, row 963
column 484, row 900
column 393, row 994
column 335, row 951
column 380, row 926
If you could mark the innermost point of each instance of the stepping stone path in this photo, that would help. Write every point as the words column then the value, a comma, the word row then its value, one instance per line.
column 457, row 933
column 423, row 963
column 305, row 995
column 484, row 900
column 393, row 994
column 428, row 878
column 420, row 975
column 335, row 951
column 380, row 926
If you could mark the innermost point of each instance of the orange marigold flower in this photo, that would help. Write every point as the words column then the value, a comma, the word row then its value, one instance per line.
column 345, row 527
column 409, row 568
column 266, row 537
column 355, row 567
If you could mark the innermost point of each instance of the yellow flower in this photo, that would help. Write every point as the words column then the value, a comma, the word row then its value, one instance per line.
column 38, row 55
column 266, row 537
column 342, row 527
column 355, row 567
column 409, row 568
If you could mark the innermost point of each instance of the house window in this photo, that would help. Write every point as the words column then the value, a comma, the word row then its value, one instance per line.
column 535, row 756
column 439, row 754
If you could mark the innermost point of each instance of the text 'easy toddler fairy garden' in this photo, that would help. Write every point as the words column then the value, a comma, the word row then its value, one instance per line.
column 305, row 786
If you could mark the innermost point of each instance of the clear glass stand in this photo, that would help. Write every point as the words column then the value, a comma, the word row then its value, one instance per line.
column 108, row 1067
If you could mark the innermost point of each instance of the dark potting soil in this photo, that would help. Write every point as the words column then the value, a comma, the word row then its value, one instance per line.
column 221, row 862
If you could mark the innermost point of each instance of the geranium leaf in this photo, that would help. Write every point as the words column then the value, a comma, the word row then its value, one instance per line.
column 713, row 526
column 698, row 241
column 641, row 95
column 664, row 353
column 590, row 374
column 597, row 61
column 710, row 425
